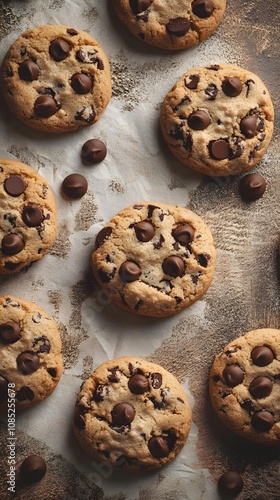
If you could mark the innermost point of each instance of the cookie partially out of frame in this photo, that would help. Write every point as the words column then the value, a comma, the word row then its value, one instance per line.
column 132, row 414
column 173, row 25
column 218, row 119
column 154, row 259
column 28, row 221
column 56, row 78
column 244, row 386
column 30, row 353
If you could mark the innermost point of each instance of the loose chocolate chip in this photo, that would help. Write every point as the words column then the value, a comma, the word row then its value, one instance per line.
column 72, row 31
column 158, row 447
column 202, row 8
column 129, row 271
column 32, row 469
column 232, row 86
column 14, row 185
column 252, row 187
column 248, row 126
column 45, row 106
column 74, row 186
column 80, row 422
column 3, row 389
column 144, row 231
column 28, row 70
column 219, row 149
column 156, row 380
column 122, row 414
column 233, row 375
column 25, row 393
column 138, row 6
column 230, row 484
column 203, row 259
column 262, row 356
column 81, row 83
column 10, row 332
column 59, row 49
column 138, row 384
column 32, row 215
column 192, row 81
column 173, row 266
column 198, row 120
column 28, row 362
column 262, row 420
column 178, row 26
column 94, row 151
column 261, row 387
column 12, row 244
column 103, row 235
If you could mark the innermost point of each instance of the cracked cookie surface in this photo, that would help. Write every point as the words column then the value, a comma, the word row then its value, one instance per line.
column 218, row 120
column 132, row 414
column 244, row 386
column 171, row 24
column 56, row 78
column 154, row 259
column 30, row 352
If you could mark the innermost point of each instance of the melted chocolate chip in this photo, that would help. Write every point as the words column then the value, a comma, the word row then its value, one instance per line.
column 198, row 120
column 113, row 377
column 252, row 187
column 261, row 387
column 28, row 70
column 81, row 83
column 156, row 380
column 151, row 209
column 262, row 420
column 262, row 356
column 219, row 149
column 248, row 126
column 3, row 389
column 86, row 114
column 178, row 26
column 211, row 91
column 138, row 384
column 230, row 484
column 94, row 151
column 158, row 447
column 59, row 49
column 122, row 414
column 41, row 344
column 25, row 393
column 188, row 143
column 100, row 392
column 32, row 215
column 14, row 185
column 45, row 106
column 52, row 372
column 28, row 362
column 191, row 82
column 233, row 375
column 79, row 422
column 248, row 406
column 232, row 86
column 158, row 244
column 202, row 8
column 203, row 259
column 144, row 231
column 12, row 244
column 103, row 235
column 173, row 266
column 106, row 277
column 129, row 271
column 72, row 31
column 10, row 332
column 138, row 6
column 32, row 469
column 74, row 186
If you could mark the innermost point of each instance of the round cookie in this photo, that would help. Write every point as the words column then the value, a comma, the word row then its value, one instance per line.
column 173, row 25
column 154, row 259
column 56, row 79
column 244, row 386
column 30, row 353
column 218, row 120
column 28, row 220
column 132, row 414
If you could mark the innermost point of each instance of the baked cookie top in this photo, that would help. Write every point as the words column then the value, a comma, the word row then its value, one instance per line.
column 30, row 352
column 171, row 24
column 28, row 221
column 154, row 259
column 56, row 78
column 244, row 386
column 218, row 120
column 132, row 414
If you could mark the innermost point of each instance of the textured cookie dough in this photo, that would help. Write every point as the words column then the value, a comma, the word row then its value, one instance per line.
column 30, row 352
column 171, row 24
column 56, row 79
column 132, row 414
column 154, row 259
column 28, row 221
column 218, row 120
column 244, row 386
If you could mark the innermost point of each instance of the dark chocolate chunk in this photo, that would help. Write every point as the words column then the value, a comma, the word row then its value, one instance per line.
column 28, row 70
column 41, row 344
column 72, row 31
column 122, row 414
column 32, row 469
column 32, row 215
column 203, row 259
column 262, row 355
column 178, row 26
column 158, row 447
column 45, row 106
column 138, row 6
column 188, row 143
column 3, row 389
column 156, row 380
column 86, row 114
column 252, row 187
column 230, row 484
column 233, row 375
column 262, row 420
column 219, row 149
column 129, row 271
column 106, row 277
column 59, row 49
column 52, row 372
column 261, row 387
column 28, row 362
column 138, row 384
column 202, row 8
column 12, row 244
column 103, row 235
column 81, row 83
column 94, row 151
column 79, row 422
column 211, row 91
column 25, row 393
column 173, row 266
column 144, row 231
column 74, row 186
column 14, row 185
column 198, row 120
column 10, row 332
column 232, row 86
column 191, row 82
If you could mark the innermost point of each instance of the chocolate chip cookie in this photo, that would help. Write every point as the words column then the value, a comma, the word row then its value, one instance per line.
column 173, row 25
column 245, row 386
column 30, row 353
column 28, row 220
column 154, row 259
column 56, row 79
column 218, row 119
column 132, row 414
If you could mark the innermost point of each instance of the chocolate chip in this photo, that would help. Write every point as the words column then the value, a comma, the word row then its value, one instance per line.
column 252, row 187
column 138, row 6
column 178, row 26
column 32, row 215
column 260, row 387
column 45, row 106
column 100, row 392
column 72, row 31
column 237, row 147
column 41, row 344
column 262, row 420
column 28, row 362
column 3, row 389
column 158, row 447
column 248, row 126
column 25, row 393
column 113, row 377
column 203, row 259
column 129, row 271
column 28, row 70
column 198, row 120
column 122, row 414
column 151, row 209
column 233, row 375
column 138, row 384
column 14, row 185
column 248, row 85
column 219, row 149
column 89, row 57
column 202, row 8
column 262, row 356
column 86, row 114
column 106, row 277
column 32, row 469
column 211, row 91
column 248, row 406
column 103, row 235
column 74, row 186
column 144, row 231
column 188, row 143
column 52, row 372
column 81, row 83
column 10, row 332
column 232, row 86
column 156, row 380
column 230, row 484
column 80, row 422
column 12, row 244
column 94, row 151
column 59, row 49
column 173, row 266
column 158, row 244
column 191, row 82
